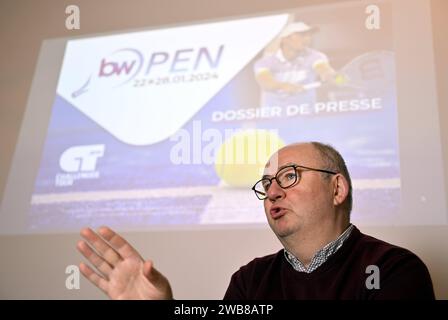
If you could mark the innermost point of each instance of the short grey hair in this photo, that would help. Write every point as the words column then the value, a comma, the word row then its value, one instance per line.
column 333, row 161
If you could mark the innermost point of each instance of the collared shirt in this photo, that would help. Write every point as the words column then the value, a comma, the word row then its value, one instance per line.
column 321, row 256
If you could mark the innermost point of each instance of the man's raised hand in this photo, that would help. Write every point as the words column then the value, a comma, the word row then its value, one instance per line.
column 120, row 271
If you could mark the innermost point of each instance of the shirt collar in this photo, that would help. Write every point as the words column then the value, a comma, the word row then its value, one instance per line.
column 321, row 255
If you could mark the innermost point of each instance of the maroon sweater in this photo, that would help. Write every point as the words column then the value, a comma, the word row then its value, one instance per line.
column 343, row 276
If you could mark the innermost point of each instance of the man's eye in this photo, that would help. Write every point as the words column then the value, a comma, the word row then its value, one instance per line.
column 290, row 176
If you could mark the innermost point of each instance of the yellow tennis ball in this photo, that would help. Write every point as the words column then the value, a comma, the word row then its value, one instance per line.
column 340, row 79
column 240, row 160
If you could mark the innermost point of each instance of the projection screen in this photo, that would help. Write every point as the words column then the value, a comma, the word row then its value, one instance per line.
column 170, row 127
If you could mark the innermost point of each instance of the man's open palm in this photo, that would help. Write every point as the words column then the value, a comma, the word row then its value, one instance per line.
column 120, row 270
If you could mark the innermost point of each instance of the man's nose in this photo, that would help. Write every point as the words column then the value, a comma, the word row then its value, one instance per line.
column 275, row 192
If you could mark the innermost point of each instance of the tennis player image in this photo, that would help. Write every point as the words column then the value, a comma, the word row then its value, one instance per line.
column 289, row 75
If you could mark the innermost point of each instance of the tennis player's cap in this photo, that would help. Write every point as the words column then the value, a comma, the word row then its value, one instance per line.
column 297, row 27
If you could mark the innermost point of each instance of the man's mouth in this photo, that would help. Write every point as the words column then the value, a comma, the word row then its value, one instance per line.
column 277, row 212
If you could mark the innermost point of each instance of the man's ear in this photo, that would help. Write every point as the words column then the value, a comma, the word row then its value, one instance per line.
column 340, row 189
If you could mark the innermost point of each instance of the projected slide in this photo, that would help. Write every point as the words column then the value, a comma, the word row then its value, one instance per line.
column 172, row 126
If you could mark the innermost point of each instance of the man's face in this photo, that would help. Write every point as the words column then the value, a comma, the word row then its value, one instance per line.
column 298, row 40
column 307, row 204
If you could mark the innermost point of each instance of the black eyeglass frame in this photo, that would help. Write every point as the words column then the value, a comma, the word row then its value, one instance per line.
column 295, row 166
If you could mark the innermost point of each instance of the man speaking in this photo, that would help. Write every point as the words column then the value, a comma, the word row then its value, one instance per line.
column 307, row 195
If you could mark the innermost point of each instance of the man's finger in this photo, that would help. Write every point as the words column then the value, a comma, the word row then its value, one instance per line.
column 102, row 247
column 93, row 277
column 151, row 273
column 158, row 280
column 102, row 265
column 147, row 268
column 119, row 243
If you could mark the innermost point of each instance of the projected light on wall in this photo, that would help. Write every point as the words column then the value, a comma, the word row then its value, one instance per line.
column 171, row 127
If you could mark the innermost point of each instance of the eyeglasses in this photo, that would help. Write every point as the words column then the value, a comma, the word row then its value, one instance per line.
column 286, row 177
